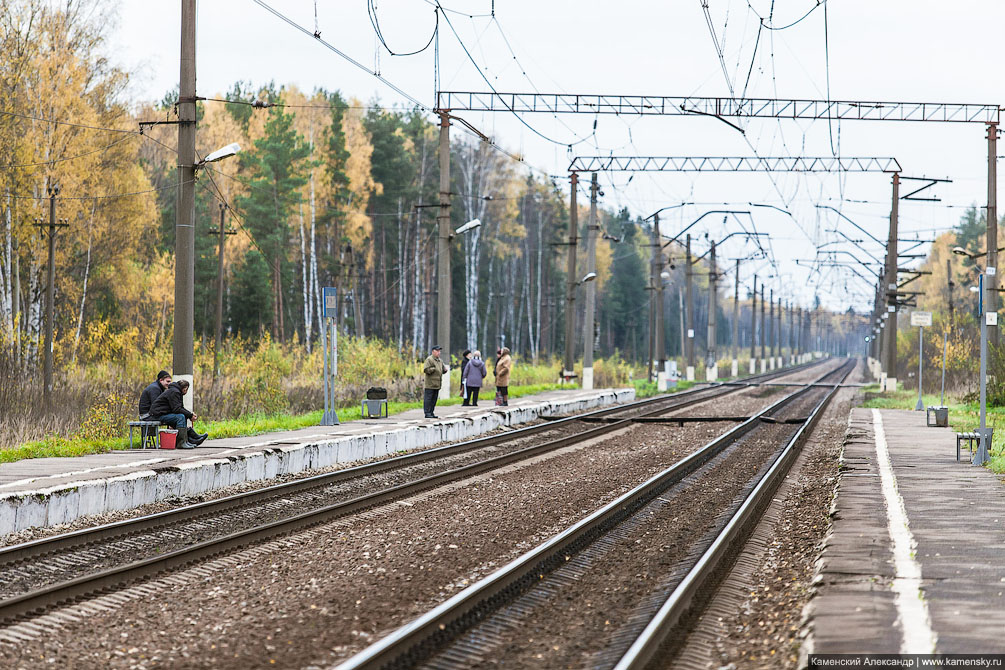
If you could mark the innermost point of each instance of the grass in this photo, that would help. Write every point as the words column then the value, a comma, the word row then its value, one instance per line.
column 962, row 416
column 647, row 389
column 249, row 424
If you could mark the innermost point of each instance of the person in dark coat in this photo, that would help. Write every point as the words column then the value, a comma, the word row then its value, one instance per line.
column 465, row 358
column 151, row 392
column 474, row 374
column 169, row 409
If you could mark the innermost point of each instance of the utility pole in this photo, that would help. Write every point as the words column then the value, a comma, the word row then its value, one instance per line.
column 443, row 251
column 654, row 280
column 571, row 281
column 949, row 287
column 711, row 359
column 591, row 287
column 184, row 244
column 753, row 329
column 734, row 370
column 764, row 324
column 50, row 293
column 992, row 215
column 792, row 332
column 771, row 328
column 777, row 339
column 661, row 354
column 219, row 290
column 690, row 311
column 891, row 293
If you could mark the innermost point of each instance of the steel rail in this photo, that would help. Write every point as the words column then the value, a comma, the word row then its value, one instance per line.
column 732, row 536
column 41, row 599
column 417, row 640
column 87, row 536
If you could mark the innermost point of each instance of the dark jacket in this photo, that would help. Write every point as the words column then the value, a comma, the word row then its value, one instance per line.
column 474, row 373
column 148, row 396
column 169, row 402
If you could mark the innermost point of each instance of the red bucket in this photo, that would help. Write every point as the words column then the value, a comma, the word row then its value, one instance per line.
column 168, row 438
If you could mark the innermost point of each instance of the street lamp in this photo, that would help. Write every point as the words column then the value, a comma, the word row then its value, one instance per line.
column 588, row 277
column 469, row 226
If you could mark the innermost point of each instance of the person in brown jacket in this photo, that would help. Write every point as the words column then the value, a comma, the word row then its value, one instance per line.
column 504, row 364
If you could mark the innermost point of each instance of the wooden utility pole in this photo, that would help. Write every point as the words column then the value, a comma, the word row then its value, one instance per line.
column 891, row 291
column 654, row 282
column 443, row 250
column 571, row 281
column 591, row 287
column 689, row 315
column 184, row 245
column 949, row 288
column 219, row 290
column 771, row 327
column 50, row 293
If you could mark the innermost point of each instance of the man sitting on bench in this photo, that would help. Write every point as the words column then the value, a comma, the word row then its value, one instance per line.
column 151, row 392
column 170, row 411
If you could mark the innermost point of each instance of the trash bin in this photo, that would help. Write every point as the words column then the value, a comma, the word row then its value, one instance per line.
column 168, row 438
column 938, row 417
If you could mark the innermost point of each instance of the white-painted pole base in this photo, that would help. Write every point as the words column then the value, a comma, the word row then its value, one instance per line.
column 444, row 386
column 186, row 400
column 690, row 373
column 734, row 368
column 890, row 384
column 587, row 379
column 712, row 373
column 764, row 365
column 662, row 383
column 771, row 363
column 753, row 365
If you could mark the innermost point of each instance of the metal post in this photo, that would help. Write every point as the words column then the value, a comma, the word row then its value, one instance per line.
column 570, row 289
column 891, row 291
column 921, row 356
column 711, row 357
column 981, row 457
column 949, row 287
column 443, row 283
column 689, row 315
column 945, row 344
column 654, row 278
column 184, row 245
column 992, row 216
column 660, row 353
column 219, row 294
column 50, row 299
column 764, row 361
column 753, row 329
column 771, row 328
column 591, row 287
column 735, row 370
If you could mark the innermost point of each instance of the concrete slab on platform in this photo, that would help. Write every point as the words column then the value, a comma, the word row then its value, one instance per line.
column 935, row 583
column 50, row 491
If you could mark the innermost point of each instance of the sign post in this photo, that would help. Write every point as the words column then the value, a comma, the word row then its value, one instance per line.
column 329, row 340
column 920, row 319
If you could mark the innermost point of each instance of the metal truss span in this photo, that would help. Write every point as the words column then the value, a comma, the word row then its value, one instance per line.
column 656, row 105
column 732, row 164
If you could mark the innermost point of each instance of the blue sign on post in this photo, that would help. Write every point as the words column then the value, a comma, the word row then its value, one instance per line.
column 329, row 302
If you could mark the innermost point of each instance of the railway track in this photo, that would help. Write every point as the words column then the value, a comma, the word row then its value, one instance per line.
column 50, row 572
column 550, row 595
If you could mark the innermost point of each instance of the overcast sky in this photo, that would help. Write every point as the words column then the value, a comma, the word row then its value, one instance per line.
column 894, row 50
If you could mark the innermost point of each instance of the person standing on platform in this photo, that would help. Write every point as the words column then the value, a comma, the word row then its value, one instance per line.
column 504, row 365
column 433, row 369
column 465, row 358
column 474, row 374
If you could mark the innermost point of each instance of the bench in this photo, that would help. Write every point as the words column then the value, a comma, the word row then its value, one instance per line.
column 970, row 438
column 147, row 437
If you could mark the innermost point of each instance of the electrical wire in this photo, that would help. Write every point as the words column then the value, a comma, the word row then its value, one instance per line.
column 68, row 158
column 66, row 123
column 371, row 10
column 812, row 9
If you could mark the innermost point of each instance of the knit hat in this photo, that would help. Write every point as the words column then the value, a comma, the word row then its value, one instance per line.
column 162, row 374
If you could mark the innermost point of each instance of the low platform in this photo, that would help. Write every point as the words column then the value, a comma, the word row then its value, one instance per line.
column 51, row 491
column 915, row 561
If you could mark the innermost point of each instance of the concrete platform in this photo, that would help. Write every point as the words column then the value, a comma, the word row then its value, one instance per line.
column 933, row 584
column 50, row 491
